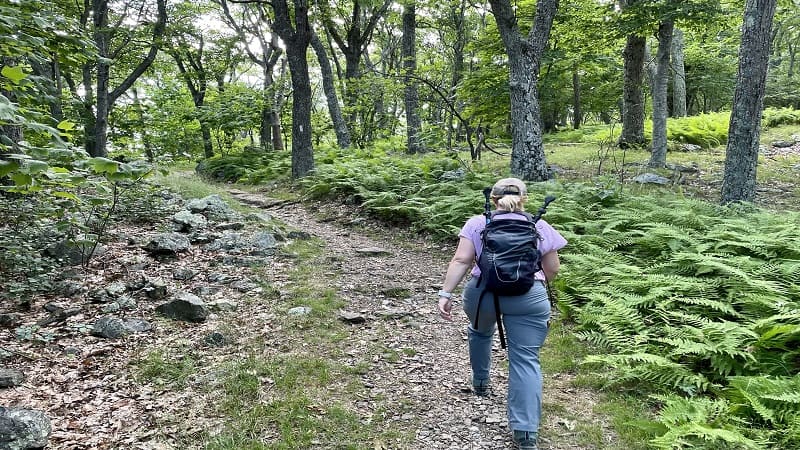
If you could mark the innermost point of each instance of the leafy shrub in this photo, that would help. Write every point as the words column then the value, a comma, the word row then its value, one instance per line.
column 773, row 117
column 229, row 167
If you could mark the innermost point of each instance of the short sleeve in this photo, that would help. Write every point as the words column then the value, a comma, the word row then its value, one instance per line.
column 551, row 240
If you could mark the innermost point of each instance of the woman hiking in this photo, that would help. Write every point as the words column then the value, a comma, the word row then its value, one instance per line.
column 524, row 317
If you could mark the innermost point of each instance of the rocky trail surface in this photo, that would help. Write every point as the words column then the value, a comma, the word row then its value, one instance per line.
column 130, row 352
column 434, row 383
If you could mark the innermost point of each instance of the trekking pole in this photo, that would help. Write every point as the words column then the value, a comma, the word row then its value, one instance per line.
column 487, row 206
column 543, row 209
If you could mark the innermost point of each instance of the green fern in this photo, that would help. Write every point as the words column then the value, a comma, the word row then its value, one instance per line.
column 702, row 423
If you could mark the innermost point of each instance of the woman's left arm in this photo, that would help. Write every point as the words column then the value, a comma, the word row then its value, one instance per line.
column 551, row 264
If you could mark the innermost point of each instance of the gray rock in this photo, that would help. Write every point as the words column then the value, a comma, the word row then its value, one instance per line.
column 261, row 243
column 205, row 291
column 203, row 237
column 74, row 254
column 111, row 308
column 453, row 175
column 372, row 251
column 114, row 327
column 100, row 296
column 23, row 429
column 186, row 221
column 213, row 207
column 184, row 274
column 689, row 148
column 116, row 289
column 156, row 289
column 185, row 307
column 651, row 178
column 230, row 226
column 258, row 217
column 682, row 168
column 222, row 306
column 300, row 311
column 352, row 317
column 10, row 378
column 243, row 285
column 69, row 288
column 215, row 339
column 299, row 235
column 9, row 320
column 168, row 244
column 782, row 144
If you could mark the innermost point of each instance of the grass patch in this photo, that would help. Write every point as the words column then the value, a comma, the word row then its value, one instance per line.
column 628, row 416
column 164, row 371
column 562, row 352
column 291, row 403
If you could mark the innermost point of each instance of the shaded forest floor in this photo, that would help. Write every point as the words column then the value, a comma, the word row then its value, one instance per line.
column 334, row 342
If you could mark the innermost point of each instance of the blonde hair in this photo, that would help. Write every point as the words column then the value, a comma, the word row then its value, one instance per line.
column 510, row 194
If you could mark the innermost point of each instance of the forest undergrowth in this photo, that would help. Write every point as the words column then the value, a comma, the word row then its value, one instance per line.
column 691, row 307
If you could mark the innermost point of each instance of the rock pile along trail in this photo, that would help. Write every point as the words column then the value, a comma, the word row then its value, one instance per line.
column 432, row 380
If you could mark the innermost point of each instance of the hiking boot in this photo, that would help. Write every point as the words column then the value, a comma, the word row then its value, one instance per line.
column 481, row 388
column 525, row 440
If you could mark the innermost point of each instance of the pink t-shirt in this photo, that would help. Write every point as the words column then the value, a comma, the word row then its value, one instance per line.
column 549, row 239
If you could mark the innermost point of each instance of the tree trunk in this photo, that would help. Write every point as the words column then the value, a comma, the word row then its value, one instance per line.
column 104, row 99
column 339, row 124
column 413, row 123
column 294, row 29
column 101, row 38
column 208, row 146
column 577, row 114
column 457, row 15
column 658, row 156
column 524, row 55
column 741, row 153
column 633, row 56
column 679, row 80
column 302, row 149
column 632, row 134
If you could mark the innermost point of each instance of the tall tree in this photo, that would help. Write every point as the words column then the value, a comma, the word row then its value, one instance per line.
column 632, row 94
column 329, row 87
column 352, row 29
column 294, row 29
column 741, row 153
column 108, row 55
column 413, row 123
column 524, row 60
column 658, row 154
column 255, row 23
column 679, row 75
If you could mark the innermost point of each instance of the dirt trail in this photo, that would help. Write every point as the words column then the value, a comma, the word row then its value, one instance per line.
column 430, row 383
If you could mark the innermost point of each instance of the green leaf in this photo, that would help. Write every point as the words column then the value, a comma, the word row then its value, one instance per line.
column 35, row 166
column 6, row 167
column 104, row 165
column 65, row 125
column 15, row 74
column 22, row 179
column 68, row 195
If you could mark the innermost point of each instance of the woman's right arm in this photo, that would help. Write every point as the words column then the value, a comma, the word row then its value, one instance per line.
column 456, row 270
